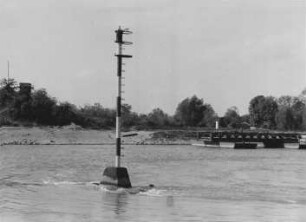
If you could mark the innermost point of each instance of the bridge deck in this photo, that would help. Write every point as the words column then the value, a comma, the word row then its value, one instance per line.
column 251, row 137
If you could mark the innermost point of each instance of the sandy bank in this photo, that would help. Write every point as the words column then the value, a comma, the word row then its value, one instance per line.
column 77, row 135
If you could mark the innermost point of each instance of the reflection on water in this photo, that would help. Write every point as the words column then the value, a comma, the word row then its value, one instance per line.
column 170, row 201
column 43, row 183
column 116, row 201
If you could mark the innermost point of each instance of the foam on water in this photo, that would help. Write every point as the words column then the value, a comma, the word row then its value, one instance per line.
column 113, row 189
column 58, row 183
column 154, row 193
column 140, row 190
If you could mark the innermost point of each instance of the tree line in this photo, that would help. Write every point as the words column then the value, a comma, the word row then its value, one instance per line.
column 37, row 107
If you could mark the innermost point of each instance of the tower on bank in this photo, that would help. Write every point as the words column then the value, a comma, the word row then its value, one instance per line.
column 118, row 175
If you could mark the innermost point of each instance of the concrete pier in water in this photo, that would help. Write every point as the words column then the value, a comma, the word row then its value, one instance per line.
column 116, row 176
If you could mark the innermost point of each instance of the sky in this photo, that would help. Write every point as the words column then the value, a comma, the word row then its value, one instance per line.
column 224, row 51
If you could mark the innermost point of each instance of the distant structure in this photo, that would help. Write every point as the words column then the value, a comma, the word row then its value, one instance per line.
column 118, row 176
column 25, row 88
column 8, row 71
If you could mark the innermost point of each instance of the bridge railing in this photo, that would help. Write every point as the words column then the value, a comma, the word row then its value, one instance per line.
column 235, row 136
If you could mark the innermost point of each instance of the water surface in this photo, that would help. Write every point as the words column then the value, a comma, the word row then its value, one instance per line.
column 54, row 183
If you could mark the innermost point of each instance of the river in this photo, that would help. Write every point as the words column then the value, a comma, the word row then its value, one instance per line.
column 55, row 183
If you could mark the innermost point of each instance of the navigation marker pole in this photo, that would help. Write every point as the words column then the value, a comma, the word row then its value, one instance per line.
column 118, row 176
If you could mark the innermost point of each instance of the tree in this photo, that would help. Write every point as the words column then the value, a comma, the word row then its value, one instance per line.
column 255, row 110
column 21, row 106
column 302, row 96
column 270, row 109
column 129, row 118
column 157, row 118
column 7, row 92
column 43, row 107
column 65, row 114
column 232, row 118
column 284, row 118
column 245, row 119
column 190, row 111
column 304, row 119
column 286, row 101
column 297, row 110
column 262, row 111
column 97, row 116
column 290, row 114
column 209, row 116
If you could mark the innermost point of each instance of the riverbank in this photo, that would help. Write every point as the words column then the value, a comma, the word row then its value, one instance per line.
column 76, row 135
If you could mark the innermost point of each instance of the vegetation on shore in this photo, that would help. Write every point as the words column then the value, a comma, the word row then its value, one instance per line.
column 30, row 108
column 75, row 135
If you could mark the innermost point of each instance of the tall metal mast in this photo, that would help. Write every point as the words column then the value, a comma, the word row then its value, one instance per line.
column 8, row 71
column 119, row 39
column 118, row 176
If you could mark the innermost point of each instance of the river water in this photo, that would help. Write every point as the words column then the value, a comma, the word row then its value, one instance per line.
column 54, row 183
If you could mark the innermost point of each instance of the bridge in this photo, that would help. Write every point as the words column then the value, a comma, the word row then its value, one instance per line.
column 251, row 139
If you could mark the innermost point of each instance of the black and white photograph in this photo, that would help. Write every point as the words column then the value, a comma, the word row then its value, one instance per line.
column 152, row 110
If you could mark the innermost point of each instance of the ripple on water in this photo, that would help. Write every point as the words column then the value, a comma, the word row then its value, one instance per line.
column 44, row 183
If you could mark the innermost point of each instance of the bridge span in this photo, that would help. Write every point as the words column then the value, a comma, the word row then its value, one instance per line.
column 252, row 139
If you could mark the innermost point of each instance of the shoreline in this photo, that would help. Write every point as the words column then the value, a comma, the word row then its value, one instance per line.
column 74, row 135
column 97, row 144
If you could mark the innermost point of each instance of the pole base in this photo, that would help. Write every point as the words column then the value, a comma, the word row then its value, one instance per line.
column 116, row 176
